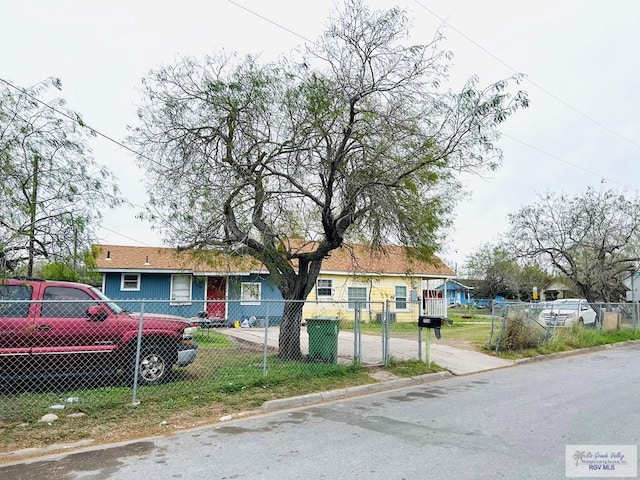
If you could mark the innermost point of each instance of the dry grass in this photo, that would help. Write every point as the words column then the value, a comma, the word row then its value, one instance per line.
column 223, row 381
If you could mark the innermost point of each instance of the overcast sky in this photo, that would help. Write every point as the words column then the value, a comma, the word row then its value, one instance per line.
column 580, row 58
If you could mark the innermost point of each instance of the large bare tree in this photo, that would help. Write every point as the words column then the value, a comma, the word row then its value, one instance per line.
column 356, row 139
column 591, row 238
column 53, row 191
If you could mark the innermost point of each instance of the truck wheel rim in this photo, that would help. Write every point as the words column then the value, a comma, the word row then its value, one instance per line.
column 151, row 367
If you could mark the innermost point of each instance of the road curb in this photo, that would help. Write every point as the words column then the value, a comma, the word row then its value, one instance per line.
column 342, row 393
column 368, row 389
column 572, row 353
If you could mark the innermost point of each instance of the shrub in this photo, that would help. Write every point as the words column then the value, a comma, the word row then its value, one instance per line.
column 521, row 333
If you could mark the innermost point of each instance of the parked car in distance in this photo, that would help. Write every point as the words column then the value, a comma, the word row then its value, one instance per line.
column 566, row 312
column 51, row 329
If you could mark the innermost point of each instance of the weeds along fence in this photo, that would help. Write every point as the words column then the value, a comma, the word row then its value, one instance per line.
column 521, row 325
column 75, row 355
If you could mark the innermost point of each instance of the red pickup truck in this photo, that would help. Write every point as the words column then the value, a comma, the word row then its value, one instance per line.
column 51, row 329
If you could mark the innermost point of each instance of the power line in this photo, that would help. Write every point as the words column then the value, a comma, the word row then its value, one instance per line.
column 124, row 146
column 502, row 62
column 560, row 159
column 271, row 21
column 75, row 120
column 537, row 85
column 127, row 237
column 97, row 132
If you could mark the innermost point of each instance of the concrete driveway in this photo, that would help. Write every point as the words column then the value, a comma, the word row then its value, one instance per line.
column 458, row 361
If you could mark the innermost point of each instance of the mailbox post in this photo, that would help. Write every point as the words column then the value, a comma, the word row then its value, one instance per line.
column 431, row 323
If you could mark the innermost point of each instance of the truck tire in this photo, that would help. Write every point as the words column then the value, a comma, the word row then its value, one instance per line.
column 154, row 366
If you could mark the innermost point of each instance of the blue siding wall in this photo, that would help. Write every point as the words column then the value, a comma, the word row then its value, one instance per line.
column 455, row 293
column 155, row 290
column 271, row 304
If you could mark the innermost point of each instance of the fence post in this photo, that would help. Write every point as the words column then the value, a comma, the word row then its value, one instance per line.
column 504, row 325
column 266, row 343
column 356, row 333
column 136, row 370
column 493, row 320
column 386, row 334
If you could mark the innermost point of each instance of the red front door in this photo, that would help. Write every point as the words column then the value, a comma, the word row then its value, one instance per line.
column 216, row 290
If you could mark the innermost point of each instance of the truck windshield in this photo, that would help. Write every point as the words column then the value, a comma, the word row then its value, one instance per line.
column 117, row 309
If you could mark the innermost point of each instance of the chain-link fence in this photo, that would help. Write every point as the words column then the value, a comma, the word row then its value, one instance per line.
column 522, row 325
column 82, row 354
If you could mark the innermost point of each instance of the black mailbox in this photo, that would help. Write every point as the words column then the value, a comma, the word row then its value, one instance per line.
column 429, row 322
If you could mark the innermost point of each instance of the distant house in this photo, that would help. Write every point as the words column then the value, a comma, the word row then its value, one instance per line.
column 235, row 288
column 556, row 290
column 456, row 293
column 632, row 285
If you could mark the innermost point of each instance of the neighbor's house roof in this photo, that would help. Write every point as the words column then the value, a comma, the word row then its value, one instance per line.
column 557, row 285
column 354, row 260
column 454, row 285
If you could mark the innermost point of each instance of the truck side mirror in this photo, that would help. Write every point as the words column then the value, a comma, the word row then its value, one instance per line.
column 97, row 313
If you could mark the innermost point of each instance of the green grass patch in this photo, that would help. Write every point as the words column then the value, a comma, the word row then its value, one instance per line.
column 411, row 368
column 573, row 338
column 208, row 337
column 220, row 382
column 375, row 328
column 469, row 316
column 475, row 334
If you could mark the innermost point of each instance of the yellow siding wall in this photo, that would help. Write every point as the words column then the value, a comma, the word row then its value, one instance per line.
column 379, row 290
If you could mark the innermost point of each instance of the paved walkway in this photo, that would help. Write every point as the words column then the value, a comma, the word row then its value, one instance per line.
column 458, row 361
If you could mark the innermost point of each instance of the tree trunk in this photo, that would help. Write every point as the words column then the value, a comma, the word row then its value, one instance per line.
column 289, row 340
column 33, row 203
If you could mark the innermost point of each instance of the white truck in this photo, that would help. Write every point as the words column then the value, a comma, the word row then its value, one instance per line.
column 566, row 312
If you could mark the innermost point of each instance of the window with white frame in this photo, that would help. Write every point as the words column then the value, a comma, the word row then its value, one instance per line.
column 401, row 297
column 130, row 282
column 357, row 296
column 324, row 287
column 180, row 289
column 250, row 293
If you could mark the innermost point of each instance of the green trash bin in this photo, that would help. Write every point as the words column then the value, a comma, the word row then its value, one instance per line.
column 323, row 339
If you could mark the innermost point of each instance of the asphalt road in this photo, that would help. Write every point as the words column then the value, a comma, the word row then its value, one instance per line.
column 511, row 423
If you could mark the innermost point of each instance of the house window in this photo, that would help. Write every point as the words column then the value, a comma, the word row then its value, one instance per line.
column 324, row 287
column 180, row 289
column 357, row 296
column 401, row 297
column 130, row 282
column 250, row 293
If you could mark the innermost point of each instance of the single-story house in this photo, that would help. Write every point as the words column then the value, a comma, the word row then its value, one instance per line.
column 632, row 284
column 405, row 286
column 456, row 293
column 237, row 288
column 556, row 290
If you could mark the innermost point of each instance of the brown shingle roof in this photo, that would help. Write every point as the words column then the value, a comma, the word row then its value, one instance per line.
column 119, row 257
column 392, row 261
column 357, row 259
